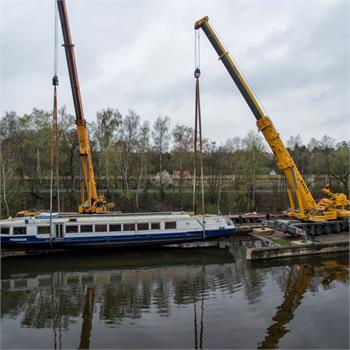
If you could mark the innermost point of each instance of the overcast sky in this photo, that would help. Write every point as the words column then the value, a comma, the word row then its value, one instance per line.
column 139, row 55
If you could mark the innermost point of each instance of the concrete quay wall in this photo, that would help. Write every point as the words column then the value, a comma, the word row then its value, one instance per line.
column 263, row 253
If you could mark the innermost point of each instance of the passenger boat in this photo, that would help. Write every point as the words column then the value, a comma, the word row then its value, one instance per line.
column 111, row 230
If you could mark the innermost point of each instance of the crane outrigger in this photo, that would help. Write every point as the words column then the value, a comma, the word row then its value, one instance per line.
column 331, row 211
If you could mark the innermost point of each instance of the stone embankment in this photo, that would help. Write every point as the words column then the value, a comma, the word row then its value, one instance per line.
column 276, row 245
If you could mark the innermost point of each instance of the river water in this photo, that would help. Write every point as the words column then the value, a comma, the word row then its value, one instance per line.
column 174, row 298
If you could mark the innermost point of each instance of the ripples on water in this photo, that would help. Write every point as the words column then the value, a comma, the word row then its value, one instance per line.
column 180, row 298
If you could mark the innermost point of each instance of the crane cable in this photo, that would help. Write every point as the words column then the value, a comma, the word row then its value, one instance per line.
column 55, row 83
column 54, row 137
column 198, row 130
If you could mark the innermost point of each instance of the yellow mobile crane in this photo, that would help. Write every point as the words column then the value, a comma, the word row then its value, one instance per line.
column 329, row 214
column 95, row 203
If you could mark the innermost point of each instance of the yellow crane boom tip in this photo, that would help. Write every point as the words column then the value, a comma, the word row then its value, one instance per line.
column 200, row 22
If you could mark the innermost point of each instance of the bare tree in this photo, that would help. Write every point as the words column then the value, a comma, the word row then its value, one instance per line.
column 160, row 135
column 294, row 142
column 183, row 145
column 255, row 148
column 108, row 122
column 313, row 144
column 8, row 179
column 142, row 148
column 128, row 135
column 68, row 156
column 9, row 127
column 339, row 166
column 327, row 142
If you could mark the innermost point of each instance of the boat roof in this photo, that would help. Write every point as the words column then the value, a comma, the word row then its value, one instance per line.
column 79, row 218
column 44, row 218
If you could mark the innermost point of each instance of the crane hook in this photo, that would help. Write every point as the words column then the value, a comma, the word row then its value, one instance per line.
column 197, row 73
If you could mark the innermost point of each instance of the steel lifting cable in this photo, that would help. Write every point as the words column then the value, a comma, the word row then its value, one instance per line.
column 196, row 72
column 55, row 114
column 197, row 49
column 54, row 138
column 198, row 130
column 55, row 84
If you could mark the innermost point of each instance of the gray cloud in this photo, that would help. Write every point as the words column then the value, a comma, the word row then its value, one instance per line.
column 139, row 55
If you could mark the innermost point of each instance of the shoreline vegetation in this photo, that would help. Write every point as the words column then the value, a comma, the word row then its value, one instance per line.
column 144, row 167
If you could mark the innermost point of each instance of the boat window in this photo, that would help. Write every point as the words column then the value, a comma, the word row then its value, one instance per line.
column 44, row 281
column 129, row 227
column 170, row 225
column 20, row 283
column 86, row 228
column 72, row 280
column 5, row 284
column 229, row 222
column 142, row 226
column 43, row 230
column 115, row 227
column 72, row 229
column 20, row 230
column 155, row 225
column 101, row 228
column 5, row 230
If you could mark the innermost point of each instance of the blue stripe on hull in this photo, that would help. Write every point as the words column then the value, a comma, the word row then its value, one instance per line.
column 110, row 241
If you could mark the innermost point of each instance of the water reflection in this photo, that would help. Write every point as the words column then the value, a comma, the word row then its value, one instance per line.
column 88, row 313
column 144, row 289
column 301, row 278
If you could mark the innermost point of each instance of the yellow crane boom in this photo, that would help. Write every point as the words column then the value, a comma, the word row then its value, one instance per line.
column 94, row 203
column 305, row 207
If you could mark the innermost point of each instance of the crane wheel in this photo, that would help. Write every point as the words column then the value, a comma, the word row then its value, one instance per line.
column 335, row 228
column 319, row 230
column 328, row 229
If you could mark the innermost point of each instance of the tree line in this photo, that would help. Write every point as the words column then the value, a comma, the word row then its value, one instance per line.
column 134, row 163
